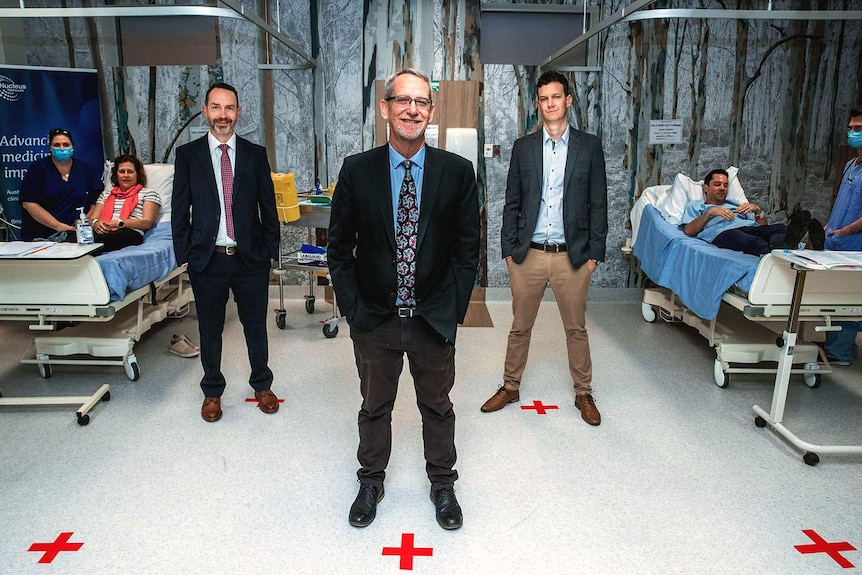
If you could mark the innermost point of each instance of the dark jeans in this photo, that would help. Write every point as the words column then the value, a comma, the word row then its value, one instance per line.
column 250, row 287
column 380, row 359
column 755, row 240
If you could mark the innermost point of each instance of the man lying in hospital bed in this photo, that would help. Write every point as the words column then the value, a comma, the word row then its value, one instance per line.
column 707, row 287
column 114, row 297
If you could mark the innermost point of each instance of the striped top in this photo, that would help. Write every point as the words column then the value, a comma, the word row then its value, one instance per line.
column 145, row 195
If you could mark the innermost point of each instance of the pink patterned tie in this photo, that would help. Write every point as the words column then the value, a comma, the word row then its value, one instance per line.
column 227, row 188
column 405, row 238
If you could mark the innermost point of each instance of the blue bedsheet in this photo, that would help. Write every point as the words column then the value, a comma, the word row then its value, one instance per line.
column 696, row 271
column 133, row 267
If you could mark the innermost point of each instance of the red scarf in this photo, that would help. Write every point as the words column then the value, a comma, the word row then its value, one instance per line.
column 131, row 201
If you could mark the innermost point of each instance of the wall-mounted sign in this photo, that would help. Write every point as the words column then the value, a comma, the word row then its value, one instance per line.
column 665, row 131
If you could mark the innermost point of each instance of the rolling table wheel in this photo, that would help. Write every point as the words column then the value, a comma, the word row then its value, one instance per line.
column 83, row 419
column 811, row 458
column 280, row 319
column 309, row 304
column 330, row 331
column 759, row 421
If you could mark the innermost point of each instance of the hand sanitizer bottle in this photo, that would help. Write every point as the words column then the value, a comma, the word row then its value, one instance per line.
column 84, row 229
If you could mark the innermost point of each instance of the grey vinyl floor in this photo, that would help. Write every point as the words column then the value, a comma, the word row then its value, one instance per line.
column 676, row 480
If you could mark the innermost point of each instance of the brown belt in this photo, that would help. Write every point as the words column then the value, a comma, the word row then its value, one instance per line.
column 551, row 248
column 227, row 250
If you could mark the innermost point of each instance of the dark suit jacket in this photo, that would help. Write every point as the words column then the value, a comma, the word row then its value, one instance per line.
column 448, row 240
column 585, row 198
column 195, row 205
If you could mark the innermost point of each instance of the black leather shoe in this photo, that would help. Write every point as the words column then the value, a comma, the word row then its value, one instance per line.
column 364, row 508
column 449, row 514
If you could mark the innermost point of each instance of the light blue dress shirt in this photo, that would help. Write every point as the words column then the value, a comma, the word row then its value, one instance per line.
column 549, row 227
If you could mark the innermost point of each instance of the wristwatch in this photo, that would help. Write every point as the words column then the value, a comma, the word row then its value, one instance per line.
column 121, row 224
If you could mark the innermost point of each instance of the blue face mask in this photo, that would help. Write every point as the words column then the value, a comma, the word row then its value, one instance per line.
column 62, row 154
column 854, row 139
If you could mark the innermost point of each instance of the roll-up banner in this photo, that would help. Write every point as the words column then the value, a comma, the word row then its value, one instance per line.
column 33, row 101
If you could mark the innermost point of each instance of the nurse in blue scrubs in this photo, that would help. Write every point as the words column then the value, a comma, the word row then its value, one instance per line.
column 53, row 190
column 844, row 233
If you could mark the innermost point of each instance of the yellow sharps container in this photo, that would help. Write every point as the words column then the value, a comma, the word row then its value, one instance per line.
column 286, row 199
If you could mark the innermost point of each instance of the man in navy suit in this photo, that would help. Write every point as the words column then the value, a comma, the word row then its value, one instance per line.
column 554, row 227
column 403, row 251
column 225, row 226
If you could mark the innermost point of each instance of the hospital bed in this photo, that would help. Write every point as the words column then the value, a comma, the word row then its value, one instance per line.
column 736, row 301
column 110, row 299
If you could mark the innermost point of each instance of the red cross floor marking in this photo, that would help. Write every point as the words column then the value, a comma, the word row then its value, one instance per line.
column 832, row 549
column 51, row 550
column 539, row 407
column 254, row 400
column 408, row 552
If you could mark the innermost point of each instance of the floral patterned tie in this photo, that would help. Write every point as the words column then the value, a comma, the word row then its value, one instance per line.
column 405, row 238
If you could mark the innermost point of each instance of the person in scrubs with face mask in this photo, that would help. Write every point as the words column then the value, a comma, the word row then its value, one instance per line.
column 53, row 190
column 844, row 233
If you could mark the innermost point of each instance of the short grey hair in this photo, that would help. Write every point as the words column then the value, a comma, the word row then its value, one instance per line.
column 387, row 86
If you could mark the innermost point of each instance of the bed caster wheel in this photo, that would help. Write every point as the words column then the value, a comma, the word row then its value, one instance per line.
column 722, row 379
column 83, row 419
column 107, row 396
column 812, row 380
column 133, row 372
column 330, row 331
column 811, row 458
column 759, row 421
column 648, row 312
column 280, row 320
column 309, row 304
column 45, row 370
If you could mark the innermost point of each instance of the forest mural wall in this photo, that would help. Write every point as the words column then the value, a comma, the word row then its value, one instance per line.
column 769, row 96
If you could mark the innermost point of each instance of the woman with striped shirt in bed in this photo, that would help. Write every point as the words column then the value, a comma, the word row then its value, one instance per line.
column 122, row 214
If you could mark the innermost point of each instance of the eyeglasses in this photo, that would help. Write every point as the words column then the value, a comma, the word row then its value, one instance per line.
column 405, row 101
column 59, row 132
column 852, row 129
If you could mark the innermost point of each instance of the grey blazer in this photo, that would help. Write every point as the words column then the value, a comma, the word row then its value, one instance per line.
column 585, row 198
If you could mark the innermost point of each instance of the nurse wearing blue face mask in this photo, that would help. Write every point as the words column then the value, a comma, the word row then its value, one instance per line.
column 844, row 233
column 54, row 188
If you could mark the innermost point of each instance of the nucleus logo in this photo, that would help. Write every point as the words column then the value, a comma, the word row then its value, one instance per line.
column 9, row 90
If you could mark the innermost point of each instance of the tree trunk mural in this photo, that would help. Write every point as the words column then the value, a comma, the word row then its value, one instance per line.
column 647, row 61
column 527, row 111
column 698, row 97
column 740, row 85
column 831, row 112
column 790, row 151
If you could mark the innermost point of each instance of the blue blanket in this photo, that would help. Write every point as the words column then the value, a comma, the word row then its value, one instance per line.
column 133, row 267
column 696, row 271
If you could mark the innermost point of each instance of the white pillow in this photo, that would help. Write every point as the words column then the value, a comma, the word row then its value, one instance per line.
column 684, row 189
column 160, row 177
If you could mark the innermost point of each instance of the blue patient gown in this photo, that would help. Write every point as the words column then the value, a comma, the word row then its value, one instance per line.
column 841, row 345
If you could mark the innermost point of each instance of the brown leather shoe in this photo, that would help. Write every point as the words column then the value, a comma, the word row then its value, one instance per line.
column 500, row 399
column 587, row 405
column 266, row 401
column 211, row 410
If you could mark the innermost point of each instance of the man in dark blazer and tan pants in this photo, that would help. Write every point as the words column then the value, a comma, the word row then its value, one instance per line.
column 554, row 228
column 403, row 251
column 225, row 226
